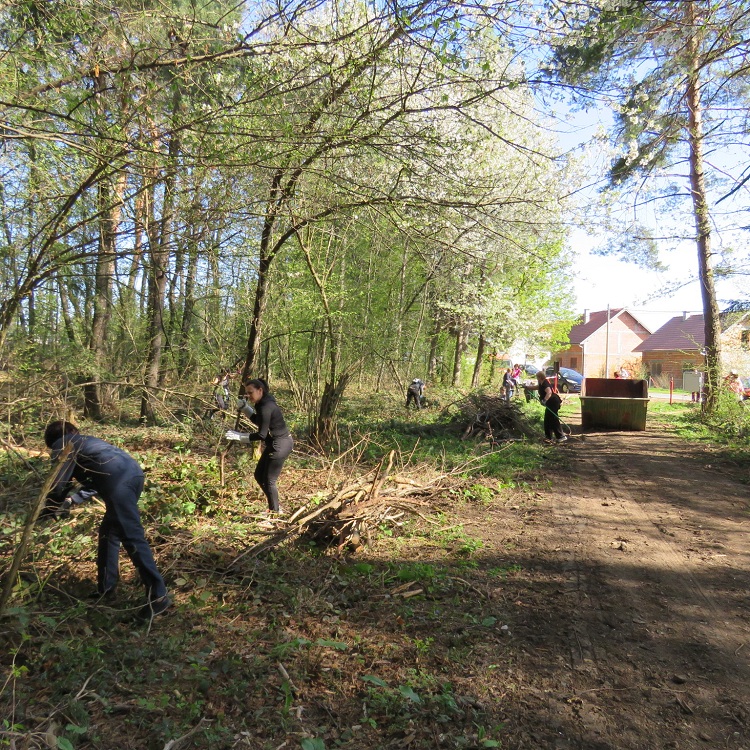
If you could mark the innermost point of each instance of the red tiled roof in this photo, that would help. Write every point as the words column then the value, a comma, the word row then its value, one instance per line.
column 687, row 334
column 677, row 334
column 579, row 333
column 582, row 331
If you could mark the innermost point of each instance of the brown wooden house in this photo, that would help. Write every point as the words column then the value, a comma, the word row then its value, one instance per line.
column 677, row 347
column 604, row 339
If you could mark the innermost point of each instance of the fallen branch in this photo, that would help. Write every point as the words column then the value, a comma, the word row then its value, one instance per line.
column 36, row 509
column 172, row 744
column 355, row 508
column 15, row 450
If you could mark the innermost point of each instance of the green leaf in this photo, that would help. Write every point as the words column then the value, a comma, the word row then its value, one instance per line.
column 338, row 645
column 310, row 743
column 488, row 622
column 374, row 680
column 407, row 692
column 64, row 744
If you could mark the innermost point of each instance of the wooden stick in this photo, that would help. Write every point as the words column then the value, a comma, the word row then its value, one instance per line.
column 15, row 450
column 10, row 576
column 382, row 476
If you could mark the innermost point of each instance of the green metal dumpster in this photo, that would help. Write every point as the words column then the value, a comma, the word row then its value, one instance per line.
column 619, row 404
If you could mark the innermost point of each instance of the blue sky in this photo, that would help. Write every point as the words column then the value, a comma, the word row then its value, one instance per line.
column 607, row 280
column 601, row 281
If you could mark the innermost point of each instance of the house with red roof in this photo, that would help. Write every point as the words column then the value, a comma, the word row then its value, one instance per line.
column 604, row 341
column 677, row 347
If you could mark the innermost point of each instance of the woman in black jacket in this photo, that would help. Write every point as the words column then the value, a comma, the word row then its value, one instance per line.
column 552, row 403
column 272, row 430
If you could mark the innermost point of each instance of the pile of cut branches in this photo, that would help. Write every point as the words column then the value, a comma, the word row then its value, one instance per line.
column 491, row 417
column 351, row 512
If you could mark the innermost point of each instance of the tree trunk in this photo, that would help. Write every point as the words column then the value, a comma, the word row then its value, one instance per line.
column 109, row 221
column 188, row 309
column 325, row 425
column 160, row 239
column 157, row 281
column 458, row 357
column 712, row 321
column 64, row 308
column 158, row 235
column 259, row 307
column 432, row 368
column 478, row 364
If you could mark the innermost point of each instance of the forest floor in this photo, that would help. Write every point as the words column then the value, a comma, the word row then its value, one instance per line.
column 601, row 605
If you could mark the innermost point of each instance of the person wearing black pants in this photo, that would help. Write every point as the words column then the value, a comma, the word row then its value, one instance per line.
column 118, row 479
column 552, row 404
column 415, row 393
column 272, row 430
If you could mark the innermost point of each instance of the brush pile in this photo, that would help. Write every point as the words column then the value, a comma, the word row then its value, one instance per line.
column 352, row 511
column 490, row 417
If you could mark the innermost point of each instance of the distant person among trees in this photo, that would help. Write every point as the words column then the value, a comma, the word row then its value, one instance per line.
column 552, row 404
column 118, row 479
column 415, row 393
column 516, row 374
column 733, row 383
column 273, row 432
column 221, row 389
column 509, row 385
column 221, row 394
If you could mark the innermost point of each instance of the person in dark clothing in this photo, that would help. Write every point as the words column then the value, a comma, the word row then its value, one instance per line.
column 272, row 430
column 415, row 393
column 552, row 404
column 114, row 475
column 509, row 385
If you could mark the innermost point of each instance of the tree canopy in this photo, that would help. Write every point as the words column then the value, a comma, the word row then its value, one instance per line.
column 366, row 185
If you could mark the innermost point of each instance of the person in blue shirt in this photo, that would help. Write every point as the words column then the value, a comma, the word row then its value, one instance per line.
column 273, row 432
column 117, row 478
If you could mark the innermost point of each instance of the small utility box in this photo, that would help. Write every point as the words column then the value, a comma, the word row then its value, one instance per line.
column 692, row 381
column 618, row 403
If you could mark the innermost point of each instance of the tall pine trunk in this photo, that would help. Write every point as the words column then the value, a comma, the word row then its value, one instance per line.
column 159, row 237
column 711, row 318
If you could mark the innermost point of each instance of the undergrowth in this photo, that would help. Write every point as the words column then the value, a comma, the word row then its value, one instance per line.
column 297, row 646
column 403, row 644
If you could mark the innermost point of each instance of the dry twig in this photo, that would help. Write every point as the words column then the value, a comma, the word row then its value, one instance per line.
column 355, row 508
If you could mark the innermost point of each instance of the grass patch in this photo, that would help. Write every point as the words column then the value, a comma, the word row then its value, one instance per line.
column 290, row 647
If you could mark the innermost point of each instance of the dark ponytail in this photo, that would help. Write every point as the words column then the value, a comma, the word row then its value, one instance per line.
column 259, row 384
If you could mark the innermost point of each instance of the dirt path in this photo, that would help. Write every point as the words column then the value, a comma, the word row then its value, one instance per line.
column 643, row 564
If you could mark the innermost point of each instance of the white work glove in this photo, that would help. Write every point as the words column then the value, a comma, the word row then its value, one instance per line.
column 244, row 407
column 240, row 437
